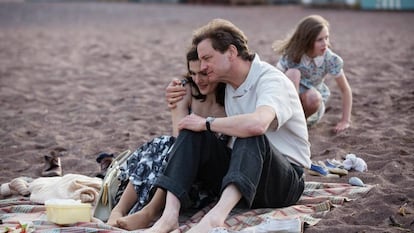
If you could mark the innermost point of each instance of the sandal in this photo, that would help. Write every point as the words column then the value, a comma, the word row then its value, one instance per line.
column 52, row 166
column 105, row 160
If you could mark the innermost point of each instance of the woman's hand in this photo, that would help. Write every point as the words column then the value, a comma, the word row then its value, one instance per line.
column 174, row 92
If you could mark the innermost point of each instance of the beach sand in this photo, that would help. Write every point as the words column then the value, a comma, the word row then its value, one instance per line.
column 82, row 78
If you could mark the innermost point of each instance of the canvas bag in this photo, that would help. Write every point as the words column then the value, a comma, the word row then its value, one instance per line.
column 110, row 187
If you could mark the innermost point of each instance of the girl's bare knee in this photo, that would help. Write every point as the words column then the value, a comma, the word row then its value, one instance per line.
column 311, row 101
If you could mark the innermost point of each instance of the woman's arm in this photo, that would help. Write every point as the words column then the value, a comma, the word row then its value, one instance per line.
column 182, row 106
column 174, row 93
column 346, row 94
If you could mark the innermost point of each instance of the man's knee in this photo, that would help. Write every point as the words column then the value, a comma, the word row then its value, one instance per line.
column 256, row 144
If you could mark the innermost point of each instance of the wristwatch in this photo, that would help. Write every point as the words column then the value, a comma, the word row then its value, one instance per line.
column 209, row 121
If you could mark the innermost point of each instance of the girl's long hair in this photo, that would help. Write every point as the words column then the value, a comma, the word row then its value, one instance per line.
column 302, row 39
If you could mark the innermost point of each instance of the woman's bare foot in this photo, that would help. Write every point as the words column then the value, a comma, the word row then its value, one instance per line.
column 115, row 215
column 139, row 220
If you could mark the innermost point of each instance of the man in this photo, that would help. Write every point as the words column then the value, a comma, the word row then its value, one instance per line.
column 264, row 167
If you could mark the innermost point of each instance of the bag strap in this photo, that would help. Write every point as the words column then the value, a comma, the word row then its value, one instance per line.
column 110, row 173
column 120, row 159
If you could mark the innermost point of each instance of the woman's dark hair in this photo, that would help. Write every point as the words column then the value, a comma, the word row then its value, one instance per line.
column 192, row 55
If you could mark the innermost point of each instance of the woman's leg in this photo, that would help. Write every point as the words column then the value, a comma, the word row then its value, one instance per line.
column 127, row 200
column 146, row 215
column 194, row 156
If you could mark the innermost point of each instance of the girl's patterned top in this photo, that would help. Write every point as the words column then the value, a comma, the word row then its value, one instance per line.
column 314, row 70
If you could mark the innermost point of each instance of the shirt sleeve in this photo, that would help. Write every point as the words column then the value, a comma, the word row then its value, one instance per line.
column 282, row 64
column 273, row 92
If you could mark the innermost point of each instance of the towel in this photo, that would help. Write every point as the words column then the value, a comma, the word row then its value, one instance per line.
column 69, row 186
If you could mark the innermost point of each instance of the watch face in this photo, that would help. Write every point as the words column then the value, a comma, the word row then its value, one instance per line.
column 209, row 120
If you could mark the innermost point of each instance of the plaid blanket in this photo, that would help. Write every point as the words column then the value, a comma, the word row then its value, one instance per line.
column 317, row 199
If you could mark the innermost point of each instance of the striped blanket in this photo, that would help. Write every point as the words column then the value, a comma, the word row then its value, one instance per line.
column 317, row 199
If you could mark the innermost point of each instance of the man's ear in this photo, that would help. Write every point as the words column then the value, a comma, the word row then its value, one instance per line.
column 232, row 51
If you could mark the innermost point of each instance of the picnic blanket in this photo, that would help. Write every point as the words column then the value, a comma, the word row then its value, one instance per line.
column 318, row 198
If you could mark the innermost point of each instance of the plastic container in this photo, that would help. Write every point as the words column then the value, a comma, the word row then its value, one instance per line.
column 68, row 212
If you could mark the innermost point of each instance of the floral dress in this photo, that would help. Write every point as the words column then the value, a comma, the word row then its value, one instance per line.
column 143, row 167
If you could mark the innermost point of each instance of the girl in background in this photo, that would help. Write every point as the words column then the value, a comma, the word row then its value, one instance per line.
column 306, row 59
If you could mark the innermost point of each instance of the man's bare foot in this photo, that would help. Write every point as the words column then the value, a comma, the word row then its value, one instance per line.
column 206, row 224
column 112, row 221
column 163, row 225
column 138, row 220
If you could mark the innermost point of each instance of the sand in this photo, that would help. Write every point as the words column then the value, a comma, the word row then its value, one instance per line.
column 81, row 78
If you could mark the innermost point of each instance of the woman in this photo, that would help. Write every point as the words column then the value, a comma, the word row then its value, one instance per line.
column 203, row 98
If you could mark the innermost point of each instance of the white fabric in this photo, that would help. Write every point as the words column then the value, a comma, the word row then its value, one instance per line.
column 70, row 186
column 266, row 85
column 5, row 190
column 306, row 60
column 354, row 162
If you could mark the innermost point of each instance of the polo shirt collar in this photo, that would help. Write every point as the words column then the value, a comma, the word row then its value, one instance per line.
column 250, row 80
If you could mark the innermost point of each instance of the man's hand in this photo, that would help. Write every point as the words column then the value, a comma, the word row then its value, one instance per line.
column 174, row 93
column 193, row 122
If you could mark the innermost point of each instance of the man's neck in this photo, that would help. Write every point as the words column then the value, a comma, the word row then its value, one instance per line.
column 239, row 73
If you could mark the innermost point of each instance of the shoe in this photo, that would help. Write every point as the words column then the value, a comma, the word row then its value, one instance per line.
column 334, row 163
column 105, row 161
column 52, row 166
column 316, row 170
column 331, row 168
